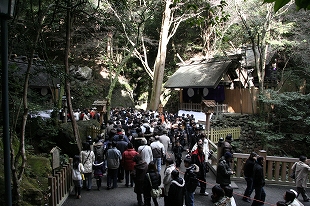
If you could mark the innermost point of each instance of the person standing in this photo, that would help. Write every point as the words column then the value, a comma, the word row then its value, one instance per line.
column 224, row 171
column 138, row 175
column 176, row 191
column 145, row 151
column 98, row 150
column 198, row 158
column 177, row 151
column 259, row 182
column 128, row 163
column 248, row 176
column 191, row 181
column 152, row 180
column 77, row 170
column 121, row 145
column 113, row 157
column 165, row 140
column 167, row 178
column 158, row 151
column 301, row 169
column 87, row 158
column 99, row 170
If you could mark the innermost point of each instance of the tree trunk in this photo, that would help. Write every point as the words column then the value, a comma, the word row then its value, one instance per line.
column 18, row 162
column 159, row 66
column 67, row 80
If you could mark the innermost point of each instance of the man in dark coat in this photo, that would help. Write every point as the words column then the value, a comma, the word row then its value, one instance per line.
column 224, row 171
column 138, row 175
column 176, row 190
column 259, row 182
column 248, row 176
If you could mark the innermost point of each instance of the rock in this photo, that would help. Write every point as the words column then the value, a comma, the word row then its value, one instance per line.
column 81, row 73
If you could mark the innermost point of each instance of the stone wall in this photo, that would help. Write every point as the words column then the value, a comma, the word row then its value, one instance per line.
column 247, row 141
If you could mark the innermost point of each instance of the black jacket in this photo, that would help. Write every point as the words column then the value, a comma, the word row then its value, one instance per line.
column 223, row 172
column 176, row 192
column 248, row 167
column 155, row 179
column 258, row 176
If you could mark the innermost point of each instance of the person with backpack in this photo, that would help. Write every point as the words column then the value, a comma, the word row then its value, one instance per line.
column 158, row 151
column 145, row 151
column 98, row 150
column 191, row 181
column 87, row 158
column 77, row 171
column 99, row 170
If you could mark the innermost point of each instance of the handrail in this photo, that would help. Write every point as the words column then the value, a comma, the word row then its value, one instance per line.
column 60, row 185
column 277, row 170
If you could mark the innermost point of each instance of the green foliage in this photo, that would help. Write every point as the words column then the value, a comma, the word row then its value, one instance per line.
column 285, row 123
column 300, row 4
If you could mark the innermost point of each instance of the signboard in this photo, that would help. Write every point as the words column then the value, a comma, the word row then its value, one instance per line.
column 55, row 157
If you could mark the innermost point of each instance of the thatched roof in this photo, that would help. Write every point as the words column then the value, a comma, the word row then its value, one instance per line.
column 198, row 74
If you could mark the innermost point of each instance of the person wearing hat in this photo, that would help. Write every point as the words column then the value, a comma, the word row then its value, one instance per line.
column 227, row 144
column 224, row 171
column 302, row 170
column 145, row 151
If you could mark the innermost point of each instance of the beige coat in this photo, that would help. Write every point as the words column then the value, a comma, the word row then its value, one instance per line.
column 301, row 172
column 87, row 159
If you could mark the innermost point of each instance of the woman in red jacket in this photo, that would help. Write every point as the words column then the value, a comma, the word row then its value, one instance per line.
column 128, row 163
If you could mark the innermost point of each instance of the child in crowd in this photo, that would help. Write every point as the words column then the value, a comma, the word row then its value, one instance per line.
column 77, row 170
column 99, row 170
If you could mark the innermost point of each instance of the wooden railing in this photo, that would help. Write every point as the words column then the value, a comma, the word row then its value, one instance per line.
column 219, row 108
column 216, row 134
column 277, row 170
column 93, row 131
column 60, row 185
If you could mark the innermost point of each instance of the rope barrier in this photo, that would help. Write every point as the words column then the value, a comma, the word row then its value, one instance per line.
column 241, row 195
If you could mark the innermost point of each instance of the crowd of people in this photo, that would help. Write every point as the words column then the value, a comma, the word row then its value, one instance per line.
column 134, row 148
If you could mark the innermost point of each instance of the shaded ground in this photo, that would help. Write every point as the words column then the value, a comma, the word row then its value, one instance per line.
column 126, row 196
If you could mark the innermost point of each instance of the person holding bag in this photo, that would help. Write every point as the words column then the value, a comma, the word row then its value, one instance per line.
column 77, row 172
column 88, row 158
column 152, row 182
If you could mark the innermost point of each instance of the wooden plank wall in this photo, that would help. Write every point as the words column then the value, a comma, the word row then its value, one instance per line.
column 240, row 100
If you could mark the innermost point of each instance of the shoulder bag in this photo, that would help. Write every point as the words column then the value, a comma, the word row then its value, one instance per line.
column 154, row 192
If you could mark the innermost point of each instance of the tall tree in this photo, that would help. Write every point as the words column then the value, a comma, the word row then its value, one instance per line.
column 37, row 12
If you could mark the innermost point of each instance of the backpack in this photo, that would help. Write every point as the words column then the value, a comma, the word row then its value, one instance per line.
column 99, row 151
column 157, row 153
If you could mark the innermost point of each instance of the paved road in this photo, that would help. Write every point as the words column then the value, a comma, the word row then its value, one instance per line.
column 123, row 196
